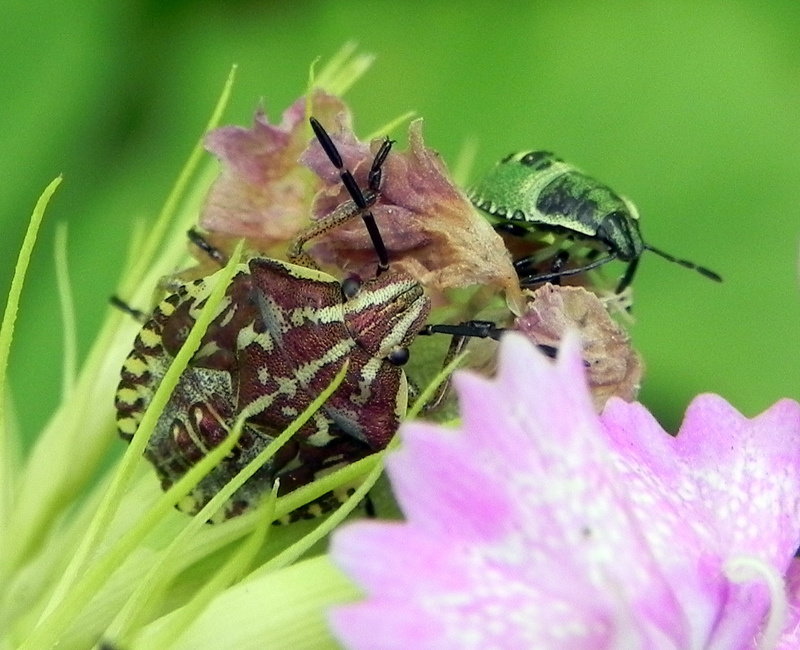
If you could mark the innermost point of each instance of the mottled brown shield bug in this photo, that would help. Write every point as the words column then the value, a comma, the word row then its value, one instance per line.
column 280, row 335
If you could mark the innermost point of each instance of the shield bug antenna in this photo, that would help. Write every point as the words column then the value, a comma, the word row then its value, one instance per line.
column 361, row 201
column 533, row 193
column 373, row 184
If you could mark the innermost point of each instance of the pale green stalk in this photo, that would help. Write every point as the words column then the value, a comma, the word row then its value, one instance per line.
column 390, row 126
column 284, row 609
column 67, row 305
column 46, row 488
column 6, row 336
column 343, row 476
column 57, row 614
column 160, row 570
column 341, row 71
column 465, row 161
column 442, row 376
column 231, row 572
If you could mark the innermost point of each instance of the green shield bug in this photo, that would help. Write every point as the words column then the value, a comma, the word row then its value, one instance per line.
column 535, row 193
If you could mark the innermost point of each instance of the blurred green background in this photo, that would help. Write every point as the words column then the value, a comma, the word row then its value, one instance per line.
column 690, row 108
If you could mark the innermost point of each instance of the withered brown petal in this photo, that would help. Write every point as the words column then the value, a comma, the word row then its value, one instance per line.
column 262, row 192
column 614, row 367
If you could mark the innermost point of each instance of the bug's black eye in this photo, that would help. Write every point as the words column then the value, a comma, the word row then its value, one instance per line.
column 398, row 356
column 350, row 286
column 538, row 160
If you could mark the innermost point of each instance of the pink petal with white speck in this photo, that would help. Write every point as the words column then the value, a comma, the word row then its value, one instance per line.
column 538, row 524
column 440, row 491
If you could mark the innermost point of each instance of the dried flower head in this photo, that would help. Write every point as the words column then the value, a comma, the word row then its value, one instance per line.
column 613, row 366
column 428, row 224
column 263, row 194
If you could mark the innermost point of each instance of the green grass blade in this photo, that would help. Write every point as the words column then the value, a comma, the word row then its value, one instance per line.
column 6, row 336
column 65, row 601
column 138, row 602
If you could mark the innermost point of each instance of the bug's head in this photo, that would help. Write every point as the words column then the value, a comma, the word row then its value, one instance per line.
column 384, row 314
column 619, row 231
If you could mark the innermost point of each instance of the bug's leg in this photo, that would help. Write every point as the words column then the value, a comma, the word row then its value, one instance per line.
column 476, row 329
column 120, row 304
column 592, row 254
column 524, row 267
column 214, row 253
column 369, row 507
column 196, row 238
column 482, row 329
column 529, row 280
column 361, row 202
column 171, row 283
column 557, row 265
column 296, row 253
column 628, row 277
column 461, row 333
column 527, row 266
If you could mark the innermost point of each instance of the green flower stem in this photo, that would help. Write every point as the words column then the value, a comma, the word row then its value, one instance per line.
column 59, row 617
column 391, row 126
column 45, row 488
column 341, row 71
column 430, row 390
column 67, row 306
column 232, row 571
column 343, row 476
column 283, row 609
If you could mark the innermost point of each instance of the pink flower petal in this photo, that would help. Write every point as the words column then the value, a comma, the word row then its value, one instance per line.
column 540, row 524
column 425, row 466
